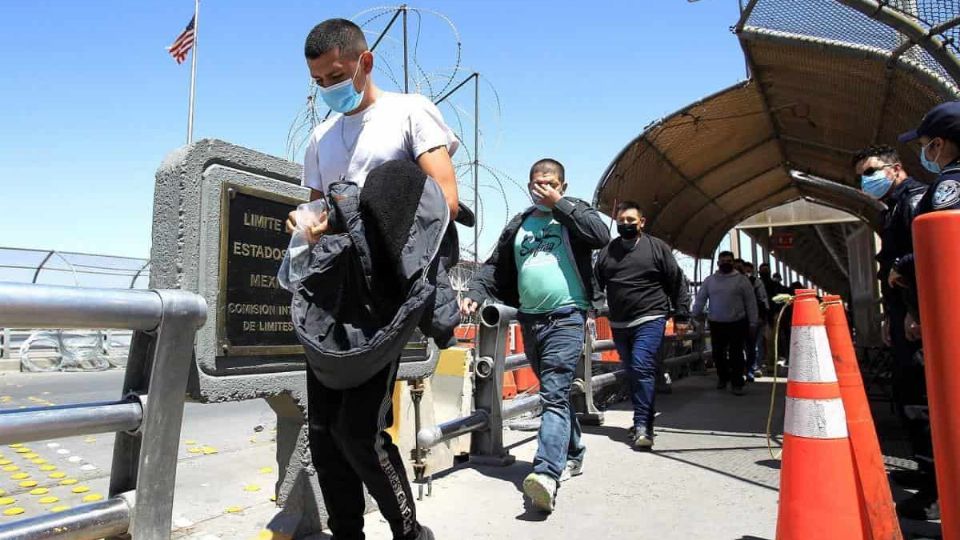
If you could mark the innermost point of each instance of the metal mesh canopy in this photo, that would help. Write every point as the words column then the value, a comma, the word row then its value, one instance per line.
column 827, row 78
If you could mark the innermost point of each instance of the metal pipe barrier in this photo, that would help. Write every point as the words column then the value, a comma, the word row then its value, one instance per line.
column 42, row 423
column 144, row 468
column 486, row 444
column 485, row 424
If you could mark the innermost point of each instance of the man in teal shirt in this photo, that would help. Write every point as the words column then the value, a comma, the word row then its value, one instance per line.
column 542, row 265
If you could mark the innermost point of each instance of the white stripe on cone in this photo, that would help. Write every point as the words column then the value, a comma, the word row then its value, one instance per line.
column 815, row 418
column 810, row 359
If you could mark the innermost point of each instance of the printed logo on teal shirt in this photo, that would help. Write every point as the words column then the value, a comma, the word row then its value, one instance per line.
column 548, row 278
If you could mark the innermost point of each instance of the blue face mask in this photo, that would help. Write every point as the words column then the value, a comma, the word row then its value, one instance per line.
column 342, row 97
column 540, row 207
column 876, row 185
column 928, row 164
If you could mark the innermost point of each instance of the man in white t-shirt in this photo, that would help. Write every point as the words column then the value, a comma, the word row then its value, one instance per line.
column 372, row 126
column 347, row 439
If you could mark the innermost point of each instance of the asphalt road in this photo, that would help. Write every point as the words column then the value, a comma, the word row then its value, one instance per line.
column 226, row 452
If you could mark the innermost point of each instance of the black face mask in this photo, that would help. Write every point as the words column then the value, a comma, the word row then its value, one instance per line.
column 726, row 268
column 628, row 231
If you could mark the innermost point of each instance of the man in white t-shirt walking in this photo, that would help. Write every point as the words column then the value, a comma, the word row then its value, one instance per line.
column 347, row 439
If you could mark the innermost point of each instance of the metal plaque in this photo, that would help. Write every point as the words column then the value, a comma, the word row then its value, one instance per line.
column 254, row 310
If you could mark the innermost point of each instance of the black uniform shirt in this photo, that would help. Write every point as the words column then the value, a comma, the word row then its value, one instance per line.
column 944, row 193
column 902, row 203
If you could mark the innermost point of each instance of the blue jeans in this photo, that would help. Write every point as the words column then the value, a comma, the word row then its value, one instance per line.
column 554, row 343
column 638, row 348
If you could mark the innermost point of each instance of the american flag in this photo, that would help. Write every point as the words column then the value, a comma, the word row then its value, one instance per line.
column 184, row 42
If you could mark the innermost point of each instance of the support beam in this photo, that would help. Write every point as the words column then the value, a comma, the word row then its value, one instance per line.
column 744, row 15
column 827, row 245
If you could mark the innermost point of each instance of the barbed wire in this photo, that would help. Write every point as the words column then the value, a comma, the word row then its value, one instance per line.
column 434, row 83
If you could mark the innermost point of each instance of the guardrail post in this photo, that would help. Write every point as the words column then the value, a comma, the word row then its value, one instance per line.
column 583, row 403
column 699, row 346
column 486, row 445
column 146, row 460
column 5, row 351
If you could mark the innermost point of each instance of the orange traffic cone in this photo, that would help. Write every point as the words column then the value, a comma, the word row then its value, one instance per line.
column 509, row 385
column 877, row 501
column 818, row 487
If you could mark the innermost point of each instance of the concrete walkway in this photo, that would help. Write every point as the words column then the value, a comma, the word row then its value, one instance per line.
column 711, row 477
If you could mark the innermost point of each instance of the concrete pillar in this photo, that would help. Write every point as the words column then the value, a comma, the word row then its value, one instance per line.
column 864, row 293
column 735, row 243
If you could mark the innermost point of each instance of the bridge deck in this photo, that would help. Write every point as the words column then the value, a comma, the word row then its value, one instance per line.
column 710, row 477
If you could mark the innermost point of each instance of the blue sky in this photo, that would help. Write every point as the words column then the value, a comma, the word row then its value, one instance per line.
column 91, row 102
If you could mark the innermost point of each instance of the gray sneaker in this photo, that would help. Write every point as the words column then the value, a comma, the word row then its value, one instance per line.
column 642, row 442
column 541, row 489
column 574, row 468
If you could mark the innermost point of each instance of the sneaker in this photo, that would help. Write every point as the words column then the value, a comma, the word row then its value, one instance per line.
column 642, row 441
column 738, row 391
column 758, row 373
column 541, row 489
column 574, row 468
column 912, row 479
column 923, row 506
column 721, row 385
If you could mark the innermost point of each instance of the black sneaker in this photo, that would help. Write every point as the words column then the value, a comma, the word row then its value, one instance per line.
column 923, row 506
column 909, row 478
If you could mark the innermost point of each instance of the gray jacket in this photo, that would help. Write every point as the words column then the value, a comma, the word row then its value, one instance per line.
column 378, row 278
column 727, row 297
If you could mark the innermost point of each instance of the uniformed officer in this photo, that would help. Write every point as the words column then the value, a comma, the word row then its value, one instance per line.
column 883, row 177
column 939, row 138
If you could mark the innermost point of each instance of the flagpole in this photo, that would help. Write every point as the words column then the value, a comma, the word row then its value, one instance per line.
column 193, row 68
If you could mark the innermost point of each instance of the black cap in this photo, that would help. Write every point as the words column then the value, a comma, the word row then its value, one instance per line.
column 940, row 121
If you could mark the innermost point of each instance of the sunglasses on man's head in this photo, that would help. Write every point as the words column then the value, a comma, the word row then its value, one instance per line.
column 872, row 170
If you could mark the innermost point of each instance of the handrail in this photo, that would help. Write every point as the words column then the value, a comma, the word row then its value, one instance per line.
column 491, row 361
column 42, row 423
column 51, row 306
column 145, row 453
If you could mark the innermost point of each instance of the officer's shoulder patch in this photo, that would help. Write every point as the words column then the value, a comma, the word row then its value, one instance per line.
column 915, row 200
column 947, row 194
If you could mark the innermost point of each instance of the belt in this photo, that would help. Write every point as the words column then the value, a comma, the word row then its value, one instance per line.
column 552, row 316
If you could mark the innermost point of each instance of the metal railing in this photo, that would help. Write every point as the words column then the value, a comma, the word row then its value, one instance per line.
column 147, row 419
column 485, row 423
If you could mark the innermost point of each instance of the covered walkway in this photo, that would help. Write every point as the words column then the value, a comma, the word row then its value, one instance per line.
column 826, row 78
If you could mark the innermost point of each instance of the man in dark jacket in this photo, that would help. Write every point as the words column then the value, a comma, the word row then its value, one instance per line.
column 542, row 266
column 644, row 286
